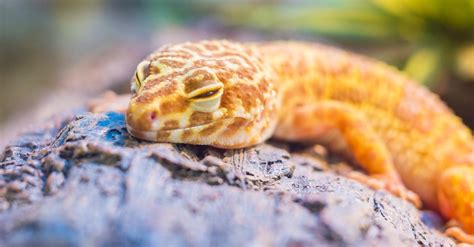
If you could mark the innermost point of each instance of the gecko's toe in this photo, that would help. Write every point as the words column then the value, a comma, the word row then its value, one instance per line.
column 385, row 182
column 460, row 235
column 401, row 191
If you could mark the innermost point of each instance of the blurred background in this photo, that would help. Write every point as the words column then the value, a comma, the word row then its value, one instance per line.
column 56, row 55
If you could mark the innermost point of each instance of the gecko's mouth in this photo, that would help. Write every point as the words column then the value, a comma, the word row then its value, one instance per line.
column 153, row 135
column 178, row 135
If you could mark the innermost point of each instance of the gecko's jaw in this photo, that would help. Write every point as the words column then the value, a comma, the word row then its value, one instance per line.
column 142, row 134
column 223, row 133
column 165, row 135
column 199, row 134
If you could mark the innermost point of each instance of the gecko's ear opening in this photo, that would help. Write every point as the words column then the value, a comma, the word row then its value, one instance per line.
column 207, row 98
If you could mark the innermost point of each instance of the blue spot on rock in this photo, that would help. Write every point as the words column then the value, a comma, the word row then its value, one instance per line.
column 112, row 119
column 114, row 136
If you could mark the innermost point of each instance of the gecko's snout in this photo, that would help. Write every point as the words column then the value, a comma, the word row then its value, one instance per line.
column 139, row 119
column 139, row 122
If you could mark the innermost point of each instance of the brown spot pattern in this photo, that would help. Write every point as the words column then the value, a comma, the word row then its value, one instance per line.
column 162, row 135
column 153, row 70
column 211, row 129
column 248, row 94
column 157, row 80
column 198, row 79
column 171, row 124
column 172, row 63
column 200, row 118
column 147, row 96
column 187, row 133
column 174, row 106
column 234, row 127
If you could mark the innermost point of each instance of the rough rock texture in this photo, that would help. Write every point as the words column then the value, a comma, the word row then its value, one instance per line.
column 83, row 181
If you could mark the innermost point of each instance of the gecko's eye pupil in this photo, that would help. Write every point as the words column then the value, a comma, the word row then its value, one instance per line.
column 141, row 73
column 136, row 84
column 137, row 79
column 206, row 94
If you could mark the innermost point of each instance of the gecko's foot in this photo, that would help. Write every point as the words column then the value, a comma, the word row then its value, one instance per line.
column 393, row 186
column 460, row 235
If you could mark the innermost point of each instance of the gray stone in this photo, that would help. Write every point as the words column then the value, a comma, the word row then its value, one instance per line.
column 84, row 181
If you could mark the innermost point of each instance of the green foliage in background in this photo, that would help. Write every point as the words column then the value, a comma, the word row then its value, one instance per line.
column 428, row 38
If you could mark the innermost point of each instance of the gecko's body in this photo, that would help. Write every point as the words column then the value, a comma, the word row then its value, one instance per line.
column 233, row 95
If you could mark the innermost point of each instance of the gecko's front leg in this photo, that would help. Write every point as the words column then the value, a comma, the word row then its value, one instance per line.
column 312, row 122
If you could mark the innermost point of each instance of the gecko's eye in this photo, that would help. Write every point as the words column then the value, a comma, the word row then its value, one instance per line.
column 140, row 75
column 206, row 98
column 206, row 94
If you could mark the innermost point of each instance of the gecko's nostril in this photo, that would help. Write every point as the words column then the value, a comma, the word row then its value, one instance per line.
column 153, row 115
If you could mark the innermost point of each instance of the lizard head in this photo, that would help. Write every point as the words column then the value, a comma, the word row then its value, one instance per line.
column 209, row 93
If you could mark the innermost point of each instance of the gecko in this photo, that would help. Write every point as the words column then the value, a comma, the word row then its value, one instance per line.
column 234, row 95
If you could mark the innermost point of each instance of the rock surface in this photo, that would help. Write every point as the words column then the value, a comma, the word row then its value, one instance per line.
column 81, row 180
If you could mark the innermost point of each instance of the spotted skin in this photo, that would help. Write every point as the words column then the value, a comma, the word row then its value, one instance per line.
column 232, row 95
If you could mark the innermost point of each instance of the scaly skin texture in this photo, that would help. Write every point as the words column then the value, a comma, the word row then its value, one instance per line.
column 233, row 95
